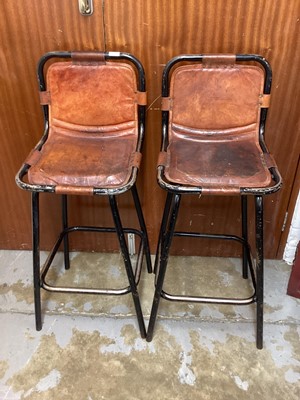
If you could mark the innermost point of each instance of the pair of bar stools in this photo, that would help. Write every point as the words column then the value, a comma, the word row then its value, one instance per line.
column 214, row 110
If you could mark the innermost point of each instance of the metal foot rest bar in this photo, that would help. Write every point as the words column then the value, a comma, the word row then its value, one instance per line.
column 216, row 300
column 81, row 290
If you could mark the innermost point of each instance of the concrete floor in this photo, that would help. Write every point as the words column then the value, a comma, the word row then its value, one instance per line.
column 90, row 346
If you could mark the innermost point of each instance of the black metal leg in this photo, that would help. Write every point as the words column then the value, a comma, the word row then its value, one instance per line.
column 128, row 266
column 65, row 226
column 165, row 247
column 36, row 260
column 244, row 205
column 259, row 270
column 142, row 226
column 162, row 229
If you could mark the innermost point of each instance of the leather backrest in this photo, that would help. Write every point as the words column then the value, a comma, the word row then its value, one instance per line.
column 216, row 98
column 91, row 96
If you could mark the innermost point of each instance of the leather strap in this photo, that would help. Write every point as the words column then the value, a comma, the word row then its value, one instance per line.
column 213, row 60
column 33, row 157
column 136, row 159
column 45, row 97
column 219, row 191
column 264, row 100
column 75, row 190
column 166, row 103
column 141, row 98
column 270, row 162
column 88, row 57
column 162, row 159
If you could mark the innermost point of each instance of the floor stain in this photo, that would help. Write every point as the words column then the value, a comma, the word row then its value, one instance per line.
column 21, row 291
column 89, row 350
column 165, row 369
column 3, row 368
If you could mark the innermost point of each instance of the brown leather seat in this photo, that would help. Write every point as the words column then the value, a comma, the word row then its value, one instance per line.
column 213, row 120
column 94, row 111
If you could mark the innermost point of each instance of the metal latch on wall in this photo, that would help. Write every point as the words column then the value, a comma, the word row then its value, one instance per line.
column 86, row 7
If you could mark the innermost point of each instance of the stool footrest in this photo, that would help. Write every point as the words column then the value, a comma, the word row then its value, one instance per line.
column 210, row 300
column 82, row 290
column 217, row 300
column 211, row 236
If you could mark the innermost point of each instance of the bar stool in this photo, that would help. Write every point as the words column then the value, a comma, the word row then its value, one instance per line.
column 214, row 109
column 94, row 112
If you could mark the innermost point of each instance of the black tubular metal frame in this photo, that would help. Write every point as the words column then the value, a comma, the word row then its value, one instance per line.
column 133, row 274
column 172, row 205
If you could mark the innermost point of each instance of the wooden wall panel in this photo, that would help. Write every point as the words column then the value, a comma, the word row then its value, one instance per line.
column 154, row 31
column 170, row 27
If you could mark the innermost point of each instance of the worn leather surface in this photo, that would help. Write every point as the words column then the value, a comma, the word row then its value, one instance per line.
column 93, row 126
column 213, row 128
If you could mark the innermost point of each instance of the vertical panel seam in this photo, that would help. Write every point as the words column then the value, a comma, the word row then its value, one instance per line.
column 104, row 25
